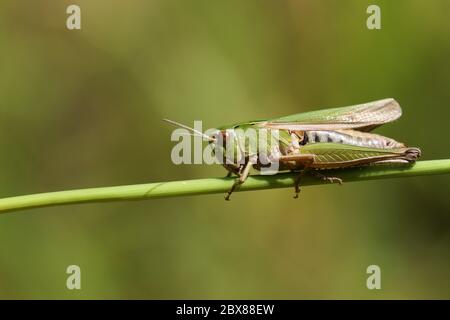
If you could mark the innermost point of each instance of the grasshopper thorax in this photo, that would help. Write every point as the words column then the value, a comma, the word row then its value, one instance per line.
column 237, row 145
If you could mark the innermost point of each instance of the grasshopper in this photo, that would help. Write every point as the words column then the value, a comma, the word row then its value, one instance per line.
column 312, row 141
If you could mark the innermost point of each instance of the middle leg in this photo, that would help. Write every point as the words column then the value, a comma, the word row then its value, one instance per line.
column 295, row 162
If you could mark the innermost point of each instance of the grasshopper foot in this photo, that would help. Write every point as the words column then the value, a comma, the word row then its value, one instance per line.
column 334, row 179
column 327, row 178
column 236, row 184
column 297, row 185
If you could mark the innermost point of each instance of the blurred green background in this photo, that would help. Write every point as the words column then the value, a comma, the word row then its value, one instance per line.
column 83, row 108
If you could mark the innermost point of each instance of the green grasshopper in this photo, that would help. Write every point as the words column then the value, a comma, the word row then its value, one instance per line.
column 311, row 141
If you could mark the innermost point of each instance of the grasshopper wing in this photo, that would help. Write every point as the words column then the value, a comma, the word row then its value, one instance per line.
column 363, row 117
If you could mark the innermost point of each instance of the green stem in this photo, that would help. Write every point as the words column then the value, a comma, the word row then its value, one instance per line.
column 213, row 185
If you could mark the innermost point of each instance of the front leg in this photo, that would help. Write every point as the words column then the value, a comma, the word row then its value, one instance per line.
column 242, row 177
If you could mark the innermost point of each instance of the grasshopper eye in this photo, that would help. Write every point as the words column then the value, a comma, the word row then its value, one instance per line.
column 215, row 136
column 227, row 134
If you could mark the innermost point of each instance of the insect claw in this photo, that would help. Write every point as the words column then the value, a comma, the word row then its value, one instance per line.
column 297, row 185
column 334, row 179
column 296, row 190
column 326, row 178
column 235, row 184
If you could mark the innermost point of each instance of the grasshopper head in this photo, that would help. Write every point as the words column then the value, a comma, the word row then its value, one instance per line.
column 225, row 145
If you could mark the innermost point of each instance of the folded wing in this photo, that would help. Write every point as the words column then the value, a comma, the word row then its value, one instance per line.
column 363, row 117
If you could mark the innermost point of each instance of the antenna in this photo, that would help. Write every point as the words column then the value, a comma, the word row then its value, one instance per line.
column 191, row 129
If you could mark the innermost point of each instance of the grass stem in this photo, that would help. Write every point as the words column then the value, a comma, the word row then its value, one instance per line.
column 213, row 185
